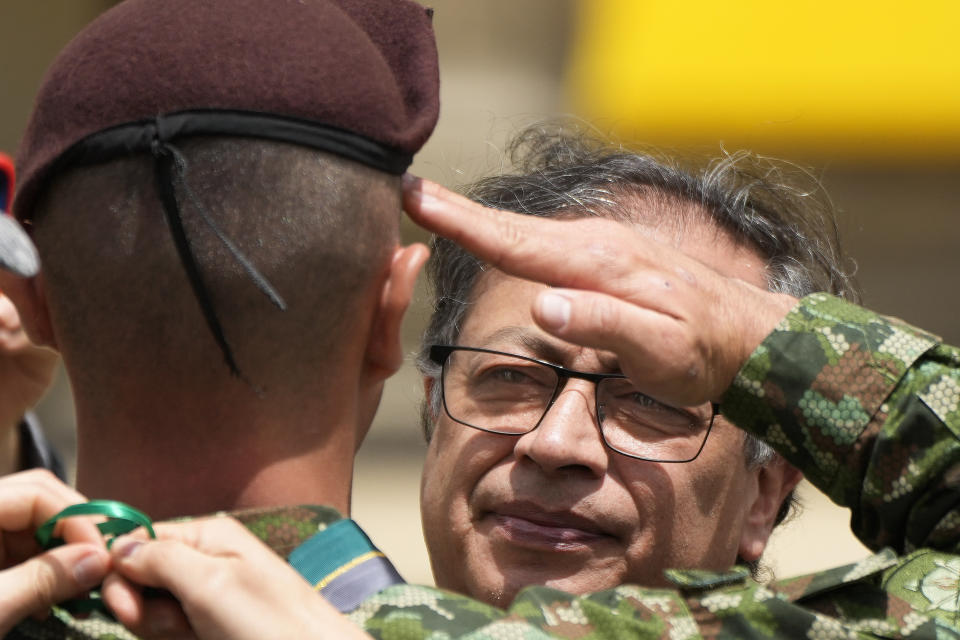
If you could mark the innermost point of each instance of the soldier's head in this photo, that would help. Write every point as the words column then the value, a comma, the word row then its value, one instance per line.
column 604, row 485
column 214, row 192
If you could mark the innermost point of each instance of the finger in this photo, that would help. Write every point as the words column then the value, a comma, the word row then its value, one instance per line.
column 147, row 617
column 158, row 563
column 30, row 498
column 655, row 350
column 57, row 575
column 215, row 535
column 597, row 320
column 188, row 548
column 581, row 253
column 124, row 599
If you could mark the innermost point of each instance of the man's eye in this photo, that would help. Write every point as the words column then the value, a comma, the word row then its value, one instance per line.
column 510, row 375
column 641, row 400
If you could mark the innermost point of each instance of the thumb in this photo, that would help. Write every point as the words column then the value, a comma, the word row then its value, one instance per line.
column 655, row 350
column 160, row 563
column 600, row 321
column 57, row 575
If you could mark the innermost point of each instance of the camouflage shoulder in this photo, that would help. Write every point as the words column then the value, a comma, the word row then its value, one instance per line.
column 283, row 529
column 60, row 625
column 929, row 581
column 413, row 611
column 627, row 611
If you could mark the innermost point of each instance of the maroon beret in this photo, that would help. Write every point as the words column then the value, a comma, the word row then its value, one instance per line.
column 358, row 78
column 354, row 77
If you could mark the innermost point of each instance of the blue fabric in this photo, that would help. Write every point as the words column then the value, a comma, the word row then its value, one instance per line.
column 343, row 565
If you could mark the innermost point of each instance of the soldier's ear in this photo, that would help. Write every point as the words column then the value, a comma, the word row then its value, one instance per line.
column 775, row 481
column 384, row 354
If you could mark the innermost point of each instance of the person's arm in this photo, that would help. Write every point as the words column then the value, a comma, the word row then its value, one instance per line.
column 868, row 408
column 31, row 581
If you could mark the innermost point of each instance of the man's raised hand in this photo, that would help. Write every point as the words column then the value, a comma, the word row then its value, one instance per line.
column 680, row 329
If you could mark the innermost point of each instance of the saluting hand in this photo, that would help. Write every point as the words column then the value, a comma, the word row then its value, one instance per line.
column 680, row 329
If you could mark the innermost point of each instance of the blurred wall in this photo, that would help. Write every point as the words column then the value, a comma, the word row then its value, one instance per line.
column 503, row 64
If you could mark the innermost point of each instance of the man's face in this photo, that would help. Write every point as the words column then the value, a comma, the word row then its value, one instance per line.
column 555, row 506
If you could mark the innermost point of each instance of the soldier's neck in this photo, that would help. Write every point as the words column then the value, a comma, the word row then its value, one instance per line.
column 170, row 468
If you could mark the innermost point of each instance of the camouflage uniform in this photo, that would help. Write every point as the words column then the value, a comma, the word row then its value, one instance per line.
column 867, row 407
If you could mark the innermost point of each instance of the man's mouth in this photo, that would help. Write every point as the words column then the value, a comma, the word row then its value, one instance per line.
column 530, row 527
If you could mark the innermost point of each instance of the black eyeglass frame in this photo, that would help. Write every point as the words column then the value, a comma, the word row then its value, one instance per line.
column 440, row 353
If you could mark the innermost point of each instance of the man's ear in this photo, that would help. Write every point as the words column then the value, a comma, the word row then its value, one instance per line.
column 29, row 297
column 384, row 354
column 776, row 480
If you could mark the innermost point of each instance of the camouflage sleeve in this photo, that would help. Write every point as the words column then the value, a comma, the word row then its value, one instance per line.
column 706, row 606
column 410, row 612
column 867, row 408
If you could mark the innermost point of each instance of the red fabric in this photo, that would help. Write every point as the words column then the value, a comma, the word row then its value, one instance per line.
column 7, row 181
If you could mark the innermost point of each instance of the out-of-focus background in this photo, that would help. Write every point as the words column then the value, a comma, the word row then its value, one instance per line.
column 866, row 94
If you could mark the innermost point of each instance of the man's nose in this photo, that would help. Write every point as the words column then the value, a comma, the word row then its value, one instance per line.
column 567, row 438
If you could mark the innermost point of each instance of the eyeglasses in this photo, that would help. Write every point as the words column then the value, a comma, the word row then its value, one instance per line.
column 510, row 395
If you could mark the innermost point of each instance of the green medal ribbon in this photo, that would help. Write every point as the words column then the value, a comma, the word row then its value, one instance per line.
column 121, row 519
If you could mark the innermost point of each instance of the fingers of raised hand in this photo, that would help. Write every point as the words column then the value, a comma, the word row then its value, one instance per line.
column 582, row 253
column 656, row 350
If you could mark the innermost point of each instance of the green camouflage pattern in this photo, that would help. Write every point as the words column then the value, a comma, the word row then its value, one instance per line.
column 866, row 406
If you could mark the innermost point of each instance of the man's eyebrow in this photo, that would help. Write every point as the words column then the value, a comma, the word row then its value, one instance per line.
column 521, row 336
column 540, row 347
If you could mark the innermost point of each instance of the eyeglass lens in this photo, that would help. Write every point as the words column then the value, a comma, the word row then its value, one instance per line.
column 507, row 394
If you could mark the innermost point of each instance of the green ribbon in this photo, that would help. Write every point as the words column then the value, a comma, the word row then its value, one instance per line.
column 121, row 519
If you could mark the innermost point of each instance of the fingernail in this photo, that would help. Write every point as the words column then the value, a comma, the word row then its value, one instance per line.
column 126, row 548
column 554, row 310
column 89, row 571
column 413, row 187
column 425, row 199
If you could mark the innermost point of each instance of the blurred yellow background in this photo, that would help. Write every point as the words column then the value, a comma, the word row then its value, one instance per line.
column 862, row 81
column 866, row 94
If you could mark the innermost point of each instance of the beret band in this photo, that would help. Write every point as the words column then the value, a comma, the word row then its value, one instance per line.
column 134, row 137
